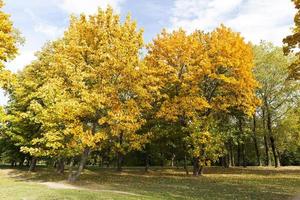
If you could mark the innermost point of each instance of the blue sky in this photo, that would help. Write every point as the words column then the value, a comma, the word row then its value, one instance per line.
column 42, row 20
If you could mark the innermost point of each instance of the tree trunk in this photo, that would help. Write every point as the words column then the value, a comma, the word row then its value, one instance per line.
column 231, row 158
column 74, row 176
column 119, row 161
column 196, row 166
column 238, row 154
column 244, row 155
column 185, row 165
column 241, row 147
column 120, row 156
column 258, row 161
column 147, row 164
column 274, row 150
column 279, row 158
column 172, row 160
column 60, row 168
column 268, row 159
column 32, row 167
column 271, row 137
column 21, row 163
column 201, row 169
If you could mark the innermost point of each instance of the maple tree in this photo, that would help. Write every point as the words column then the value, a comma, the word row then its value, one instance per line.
column 200, row 74
column 91, row 88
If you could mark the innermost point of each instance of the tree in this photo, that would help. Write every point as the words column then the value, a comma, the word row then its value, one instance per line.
column 277, row 95
column 292, row 44
column 8, row 38
column 198, row 75
column 90, row 86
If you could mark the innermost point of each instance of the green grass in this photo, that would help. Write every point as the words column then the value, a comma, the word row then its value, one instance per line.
column 133, row 183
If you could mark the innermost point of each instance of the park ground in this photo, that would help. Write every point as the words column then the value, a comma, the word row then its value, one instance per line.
column 160, row 183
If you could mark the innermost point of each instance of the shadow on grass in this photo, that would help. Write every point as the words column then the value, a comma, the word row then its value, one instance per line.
column 170, row 183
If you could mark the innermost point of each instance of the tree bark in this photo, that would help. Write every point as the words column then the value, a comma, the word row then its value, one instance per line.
column 241, row 147
column 231, row 158
column 196, row 166
column 185, row 165
column 268, row 159
column 271, row 137
column 201, row 169
column 32, row 167
column 21, row 163
column 120, row 156
column 238, row 154
column 244, row 155
column 172, row 160
column 258, row 161
column 74, row 176
column 274, row 150
column 147, row 164
column 60, row 168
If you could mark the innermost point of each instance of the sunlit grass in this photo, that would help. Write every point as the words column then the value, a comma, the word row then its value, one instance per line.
column 133, row 183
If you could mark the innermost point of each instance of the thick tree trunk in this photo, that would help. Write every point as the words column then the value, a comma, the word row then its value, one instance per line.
column 74, row 176
column 196, row 166
column 279, row 158
column 268, row 159
column 32, row 167
column 201, row 169
column 271, row 137
column 258, row 161
column 60, row 168
column 274, row 151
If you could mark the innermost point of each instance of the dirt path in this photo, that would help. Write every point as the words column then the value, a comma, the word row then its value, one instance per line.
column 60, row 185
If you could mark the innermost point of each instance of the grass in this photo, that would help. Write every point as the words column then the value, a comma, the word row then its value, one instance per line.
column 133, row 183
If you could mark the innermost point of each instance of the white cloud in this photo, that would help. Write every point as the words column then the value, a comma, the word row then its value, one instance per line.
column 256, row 19
column 3, row 98
column 48, row 30
column 89, row 6
column 24, row 58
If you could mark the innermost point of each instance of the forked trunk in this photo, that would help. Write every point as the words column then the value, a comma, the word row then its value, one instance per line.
column 268, row 159
column 270, row 133
column 74, row 176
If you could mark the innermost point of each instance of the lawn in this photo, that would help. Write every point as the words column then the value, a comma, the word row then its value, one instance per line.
column 133, row 183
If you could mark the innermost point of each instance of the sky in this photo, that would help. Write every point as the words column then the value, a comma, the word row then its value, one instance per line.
column 44, row 20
